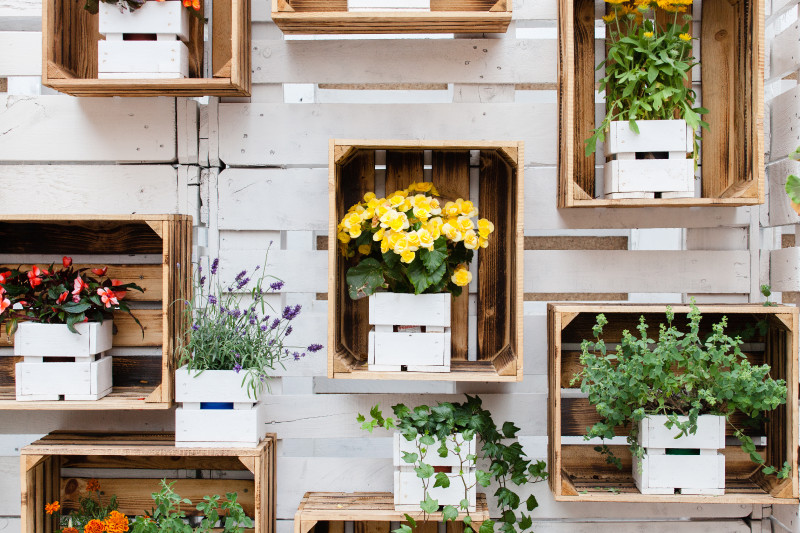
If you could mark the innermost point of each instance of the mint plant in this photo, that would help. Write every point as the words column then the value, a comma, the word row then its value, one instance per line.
column 459, row 423
column 679, row 374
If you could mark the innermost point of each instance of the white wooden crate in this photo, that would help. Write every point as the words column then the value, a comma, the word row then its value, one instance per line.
column 388, row 5
column 418, row 351
column 628, row 177
column 165, row 18
column 73, row 380
column 33, row 341
column 213, row 386
column 142, row 59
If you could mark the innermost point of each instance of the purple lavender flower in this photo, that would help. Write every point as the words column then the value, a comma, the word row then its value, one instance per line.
column 212, row 300
column 275, row 324
column 278, row 285
column 236, row 314
column 195, row 327
column 289, row 312
column 242, row 283
column 203, row 280
column 271, row 342
column 237, row 367
column 266, row 319
column 289, row 331
column 214, row 266
column 257, row 268
column 314, row 348
column 252, row 321
column 263, row 327
column 237, row 356
column 240, row 275
column 297, row 356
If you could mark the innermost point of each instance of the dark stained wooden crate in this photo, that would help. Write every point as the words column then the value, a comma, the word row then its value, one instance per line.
column 131, row 465
column 146, row 250
column 69, row 54
column 732, row 71
column 445, row 16
column 500, row 266
column 579, row 473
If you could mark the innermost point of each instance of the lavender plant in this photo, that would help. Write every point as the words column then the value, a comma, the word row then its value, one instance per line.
column 233, row 327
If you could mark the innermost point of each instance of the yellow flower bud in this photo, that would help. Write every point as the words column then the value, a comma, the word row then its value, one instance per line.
column 343, row 237
column 462, row 276
column 407, row 256
column 364, row 249
column 471, row 240
column 369, row 196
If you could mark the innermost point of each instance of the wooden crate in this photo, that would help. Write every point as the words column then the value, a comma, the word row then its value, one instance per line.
column 500, row 266
column 732, row 63
column 579, row 473
column 144, row 249
column 131, row 465
column 325, row 512
column 69, row 58
column 445, row 16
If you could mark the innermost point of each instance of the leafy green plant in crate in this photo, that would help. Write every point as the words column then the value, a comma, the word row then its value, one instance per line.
column 453, row 426
column 793, row 183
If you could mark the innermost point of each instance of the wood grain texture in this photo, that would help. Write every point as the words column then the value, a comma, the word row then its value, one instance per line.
column 583, row 95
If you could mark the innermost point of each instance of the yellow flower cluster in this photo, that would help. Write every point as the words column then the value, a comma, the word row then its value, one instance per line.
column 623, row 8
column 410, row 219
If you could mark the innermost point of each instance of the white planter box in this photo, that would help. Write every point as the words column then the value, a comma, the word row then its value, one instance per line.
column 690, row 474
column 388, row 5
column 73, row 381
column 628, row 177
column 242, row 426
column 165, row 18
column 408, row 488
column 33, row 341
column 427, row 351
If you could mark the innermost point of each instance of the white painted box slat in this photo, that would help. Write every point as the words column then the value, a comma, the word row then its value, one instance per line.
column 653, row 136
column 659, row 175
column 710, row 433
column 213, row 386
column 153, row 17
column 388, row 5
column 74, row 381
column 203, row 428
column 145, row 59
column 402, row 445
column 395, row 309
column 56, row 340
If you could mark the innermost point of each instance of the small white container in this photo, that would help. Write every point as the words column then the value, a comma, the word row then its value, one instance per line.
column 388, row 5
column 88, row 377
column 408, row 487
column 165, row 58
column 688, row 474
column 242, row 426
column 418, row 351
column 628, row 177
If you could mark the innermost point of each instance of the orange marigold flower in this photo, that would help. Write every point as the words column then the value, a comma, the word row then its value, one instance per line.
column 116, row 522
column 51, row 508
column 70, row 530
column 92, row 485
column 94, row 526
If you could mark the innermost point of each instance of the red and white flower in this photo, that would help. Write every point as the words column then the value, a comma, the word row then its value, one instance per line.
column 108, row 297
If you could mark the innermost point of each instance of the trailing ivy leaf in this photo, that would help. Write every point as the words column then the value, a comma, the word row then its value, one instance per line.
column 364, row 278
column 531, row 503
column 510, row 430
column 442, row 480
column 793, row 188
column 484, row 478
column 429, row 505
column 467, row 520
column 424, row 471
column 487, row 527
column 525, row 522
column 449, row 513
column 421, row 278
column 509, row 517
column 427, row 440
column 410, row 457
column 432, row 259
column 404, row 528
column 410, row 520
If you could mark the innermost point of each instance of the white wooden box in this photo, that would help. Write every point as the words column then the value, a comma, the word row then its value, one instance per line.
column 427, row 351
column 690, row 474
column 242, row 427
column 628, row 177
column 142, row 59
column 165, row 18
column 33, row 341
column 408, row 487
column 388, row 5
column 214, row 386
column 74, row 380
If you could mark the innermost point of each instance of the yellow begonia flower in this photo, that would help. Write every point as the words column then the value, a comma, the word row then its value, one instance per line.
column 685, row 37
column 435, row 227
column 464, row 223
column 405, row 206
column 372, row 204
column 421, row 186
column 425, row 238
column 471, row 240
column 385, row 245
column 485, row 228
column 378, row 235
column 616, row 1
column 421, row 200
column 401, row 245
column 648, row 34
column 355, row 231
column 364, row 249
column 393, row 237
column 407, row 256
column 353, row 219
column 382, row 210
column 468, row 209
column 462, row 276
column 399, row 223
column 422, row 213
column 369, row 196
column 483, row 242
column 396, row 200
column 413, row 240
column 402, row 193
column 343, row 237
column 436, row 208
column 452, row 233
column 451, row 209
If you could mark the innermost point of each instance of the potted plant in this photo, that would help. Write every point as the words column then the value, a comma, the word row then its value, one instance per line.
column 411, row 255
column 235, row 341
column 651, row 124
column 388, row 5
column 793, row 184
column 56, row 313
column 143, row 38
column 675, row 395
column 436, row 456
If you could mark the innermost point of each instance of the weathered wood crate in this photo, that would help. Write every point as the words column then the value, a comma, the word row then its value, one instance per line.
column 375, row 509
column 131, row 465
column 143, row 249
column 500, row 266
column 445, row 16
column 732, row 72
column 579, row 473
column 69, row 57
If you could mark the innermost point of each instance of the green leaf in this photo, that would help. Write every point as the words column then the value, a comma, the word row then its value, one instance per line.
column 427, row 440
column 391, row 259
column 74, row 319
column 410, row 520
column 442, row 480
column 410, row 457
column 449, row 513
column 429, row 505
column 793, row 188
column 510, row 430
column 484, row 478
column 487, row 527
column 525, row 522
column 364, row 278
column 404, row 528
column 432, row 259
column 75, row 308
column 531, row 503
column 421, row 278
column 424, row 471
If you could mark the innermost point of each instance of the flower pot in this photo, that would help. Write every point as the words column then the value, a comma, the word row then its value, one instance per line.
column 656, row 162
column 667, row 469
column 164, row 56
column 216, row 425
column 87, row 377
column 408, row 487
column 411, row 331
column 388, row 5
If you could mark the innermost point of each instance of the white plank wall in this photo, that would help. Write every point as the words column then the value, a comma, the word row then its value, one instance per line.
column 254, row 172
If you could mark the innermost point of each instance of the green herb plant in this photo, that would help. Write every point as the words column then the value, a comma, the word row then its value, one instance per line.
column 793, row 183
column 167, row 516
column 646, row 66
column 458, row 424
column 679, row 374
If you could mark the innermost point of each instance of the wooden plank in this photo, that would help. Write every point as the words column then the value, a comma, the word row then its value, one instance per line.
column 402, row 169
column 373, row 510
column 450, row 175
column 583, row 96
column 395, row 22
column 22, row 53
column 221, row 50
column 87, row 130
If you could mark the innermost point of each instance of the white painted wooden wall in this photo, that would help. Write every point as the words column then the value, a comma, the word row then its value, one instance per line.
column 254, row 171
